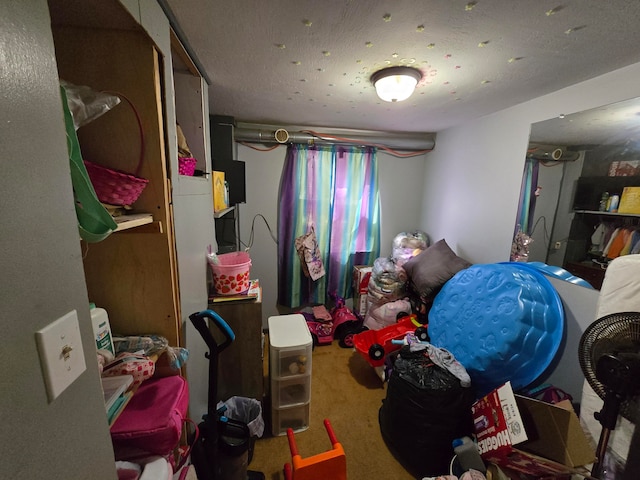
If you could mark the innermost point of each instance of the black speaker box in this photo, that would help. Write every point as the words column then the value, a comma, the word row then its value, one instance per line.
column 235, row 177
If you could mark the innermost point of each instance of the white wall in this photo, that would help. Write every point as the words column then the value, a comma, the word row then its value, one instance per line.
column 400, row 191
column 41, row 263
column 472, row 178
column 579, row 305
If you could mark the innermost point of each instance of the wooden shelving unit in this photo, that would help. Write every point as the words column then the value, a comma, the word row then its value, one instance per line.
column 589, row 189
column 133, row 272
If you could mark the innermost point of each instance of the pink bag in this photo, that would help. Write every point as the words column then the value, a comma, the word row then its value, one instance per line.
column 151, row 423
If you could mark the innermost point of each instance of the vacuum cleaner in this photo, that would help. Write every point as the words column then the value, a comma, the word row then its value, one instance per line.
column 221, row 449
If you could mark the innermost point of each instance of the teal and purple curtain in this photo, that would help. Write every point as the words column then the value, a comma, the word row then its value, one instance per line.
column 527, row 202
column 333, row 189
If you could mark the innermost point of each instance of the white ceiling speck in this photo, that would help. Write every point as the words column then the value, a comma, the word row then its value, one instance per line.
column 303, row 62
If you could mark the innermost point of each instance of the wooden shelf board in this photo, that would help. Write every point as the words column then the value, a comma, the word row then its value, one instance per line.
column 613, row 214
column 222, row 212
column 126, row 222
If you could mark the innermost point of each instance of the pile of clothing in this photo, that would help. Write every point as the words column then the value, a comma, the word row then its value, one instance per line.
column 610, row 240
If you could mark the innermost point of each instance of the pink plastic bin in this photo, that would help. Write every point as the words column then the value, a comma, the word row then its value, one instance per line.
column 231, row 274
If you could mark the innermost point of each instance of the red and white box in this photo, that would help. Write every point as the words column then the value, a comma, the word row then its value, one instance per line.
column 624, row 168
column 361, row 276
column 550, row 442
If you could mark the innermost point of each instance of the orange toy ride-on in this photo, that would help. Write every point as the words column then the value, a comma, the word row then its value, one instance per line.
column 375, row 345
column 331, row 464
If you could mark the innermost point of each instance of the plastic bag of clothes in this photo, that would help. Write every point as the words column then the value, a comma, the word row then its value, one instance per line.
column 407, row 245
column 387, row 283
column 385, row 314
column 425, row 409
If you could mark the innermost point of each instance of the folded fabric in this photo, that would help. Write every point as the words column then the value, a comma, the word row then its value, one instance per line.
column 140, row 367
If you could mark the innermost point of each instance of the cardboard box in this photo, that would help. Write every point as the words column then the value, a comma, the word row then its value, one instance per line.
column 550, row 441
column 361, row 276
column 219, row 192
column 630, row 200
column 624, row 168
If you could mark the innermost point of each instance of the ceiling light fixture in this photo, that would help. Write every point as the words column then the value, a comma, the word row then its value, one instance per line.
column 395, row 84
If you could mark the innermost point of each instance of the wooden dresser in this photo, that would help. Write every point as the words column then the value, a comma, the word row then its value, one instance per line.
column 240, row 368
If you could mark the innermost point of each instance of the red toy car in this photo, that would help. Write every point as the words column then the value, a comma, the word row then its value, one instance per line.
column 375, row 345
column 341, row 324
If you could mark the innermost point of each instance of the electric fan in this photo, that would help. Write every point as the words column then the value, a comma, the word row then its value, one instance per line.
column 609, row 355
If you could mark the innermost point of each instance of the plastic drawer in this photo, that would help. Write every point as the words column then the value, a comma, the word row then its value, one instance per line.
column 290, row 361
column 291, row 392
column 296, row 418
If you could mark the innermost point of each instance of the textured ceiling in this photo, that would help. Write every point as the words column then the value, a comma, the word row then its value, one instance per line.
column 303, row 62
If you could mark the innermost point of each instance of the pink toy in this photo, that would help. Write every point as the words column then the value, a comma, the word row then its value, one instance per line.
column 343, row 324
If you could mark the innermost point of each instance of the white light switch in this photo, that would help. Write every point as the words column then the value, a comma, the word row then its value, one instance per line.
column 61, row 355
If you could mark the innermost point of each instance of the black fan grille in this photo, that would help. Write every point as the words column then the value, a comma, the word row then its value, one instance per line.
column 611, row 334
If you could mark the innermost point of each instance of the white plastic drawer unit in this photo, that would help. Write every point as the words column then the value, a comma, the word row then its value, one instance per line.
column 290, row 392
column 290, row 346
column 290, row 349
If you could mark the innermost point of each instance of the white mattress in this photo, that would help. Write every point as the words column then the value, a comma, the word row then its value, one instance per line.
column 620, row 292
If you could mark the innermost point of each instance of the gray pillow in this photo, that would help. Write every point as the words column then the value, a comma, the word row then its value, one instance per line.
column 432, row 268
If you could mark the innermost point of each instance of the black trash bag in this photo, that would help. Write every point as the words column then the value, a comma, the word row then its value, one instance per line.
column 425, row 409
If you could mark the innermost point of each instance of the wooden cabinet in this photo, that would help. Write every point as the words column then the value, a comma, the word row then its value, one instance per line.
column 592, row 273
column 240, row 367
column 128, row 48
column 130, row 274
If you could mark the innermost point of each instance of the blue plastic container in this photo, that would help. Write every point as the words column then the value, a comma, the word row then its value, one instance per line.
column 553, row 271
column 503, row 322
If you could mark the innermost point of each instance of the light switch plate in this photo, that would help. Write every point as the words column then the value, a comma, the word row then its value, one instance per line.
column 61, row 354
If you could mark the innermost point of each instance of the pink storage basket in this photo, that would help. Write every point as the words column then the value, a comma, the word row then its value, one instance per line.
column 231, row 274
column 115, row 187
column 187, row 166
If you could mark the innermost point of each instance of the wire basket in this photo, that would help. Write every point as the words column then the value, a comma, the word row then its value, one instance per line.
column 116, row 187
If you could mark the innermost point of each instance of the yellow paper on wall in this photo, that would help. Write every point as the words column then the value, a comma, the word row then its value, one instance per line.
column 218, row 192
column 630, row 200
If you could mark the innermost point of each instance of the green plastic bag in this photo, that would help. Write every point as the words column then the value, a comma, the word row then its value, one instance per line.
column 94, row 221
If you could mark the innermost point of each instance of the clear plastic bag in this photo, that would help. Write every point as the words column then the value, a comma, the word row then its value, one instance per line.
column 407, row 245
column 388, row 281
column 87, row 104
column 520, row 247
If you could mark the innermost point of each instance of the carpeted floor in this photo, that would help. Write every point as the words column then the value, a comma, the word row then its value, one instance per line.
column 346, row 390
